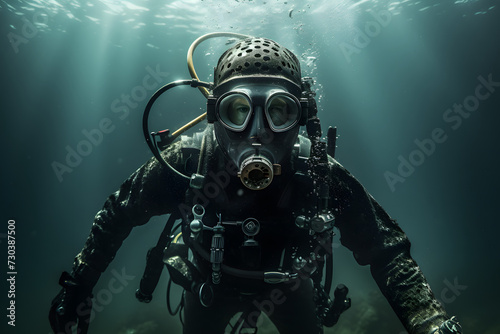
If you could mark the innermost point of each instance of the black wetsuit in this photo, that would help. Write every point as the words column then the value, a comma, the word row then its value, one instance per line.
column 365, row 228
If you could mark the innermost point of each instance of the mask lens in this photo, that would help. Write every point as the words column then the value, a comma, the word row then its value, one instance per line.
column 234, row 111
column 282, row 112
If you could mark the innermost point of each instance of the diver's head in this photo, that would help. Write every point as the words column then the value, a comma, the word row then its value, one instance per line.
column 256, row 108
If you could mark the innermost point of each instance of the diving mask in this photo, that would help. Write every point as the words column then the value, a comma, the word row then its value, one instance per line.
column 257, row 127
column 282, row 110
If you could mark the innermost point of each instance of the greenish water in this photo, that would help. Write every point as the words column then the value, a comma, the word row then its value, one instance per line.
column 391, row 75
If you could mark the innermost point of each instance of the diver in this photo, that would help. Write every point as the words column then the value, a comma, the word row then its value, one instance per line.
column 256, row 204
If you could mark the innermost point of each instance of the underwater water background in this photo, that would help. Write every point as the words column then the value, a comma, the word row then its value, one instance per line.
column 391, row 75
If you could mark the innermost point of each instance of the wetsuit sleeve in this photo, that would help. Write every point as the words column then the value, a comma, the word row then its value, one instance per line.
column 377, row 240
column 151, row 190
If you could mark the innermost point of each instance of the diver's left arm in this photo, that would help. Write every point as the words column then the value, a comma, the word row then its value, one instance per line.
column 377, row 240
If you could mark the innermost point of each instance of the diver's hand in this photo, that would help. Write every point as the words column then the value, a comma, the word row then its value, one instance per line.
column 450, row 326
column 71, row 307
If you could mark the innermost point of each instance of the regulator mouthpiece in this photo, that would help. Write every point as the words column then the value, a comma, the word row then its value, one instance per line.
column 257, row 172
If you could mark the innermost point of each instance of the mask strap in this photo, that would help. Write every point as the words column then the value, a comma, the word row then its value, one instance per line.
column 211, row 102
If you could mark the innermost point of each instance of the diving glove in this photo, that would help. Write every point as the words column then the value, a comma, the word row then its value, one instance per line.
column 71, row 307
column 450, row 326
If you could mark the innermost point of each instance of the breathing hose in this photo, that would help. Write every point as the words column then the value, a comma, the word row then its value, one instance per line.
column 197, row 42
column 145, row 126
column 195, row 82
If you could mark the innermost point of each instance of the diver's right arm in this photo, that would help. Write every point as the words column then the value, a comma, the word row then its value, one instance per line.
column 149, row 191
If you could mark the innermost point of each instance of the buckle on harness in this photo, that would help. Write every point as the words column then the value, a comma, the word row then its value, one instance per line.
column 275, row 277
column 316, row 224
